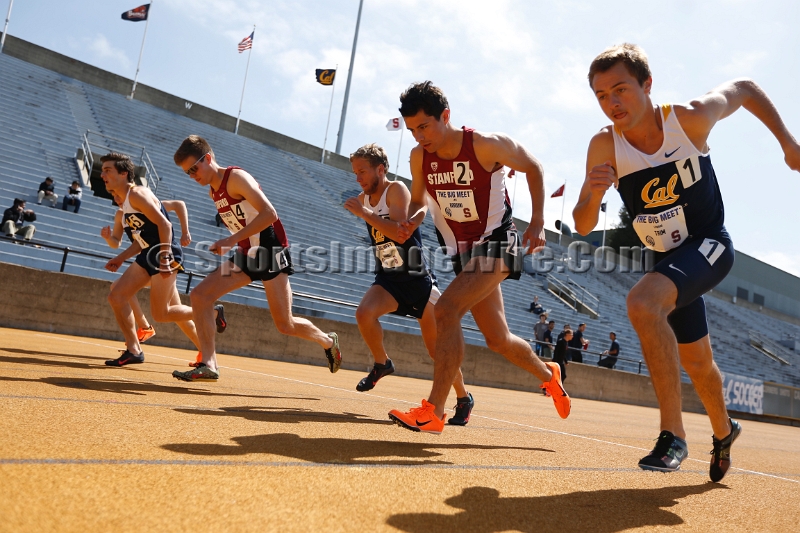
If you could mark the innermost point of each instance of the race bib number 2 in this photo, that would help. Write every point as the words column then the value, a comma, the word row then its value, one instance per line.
column 662, row 231
column 458, row 205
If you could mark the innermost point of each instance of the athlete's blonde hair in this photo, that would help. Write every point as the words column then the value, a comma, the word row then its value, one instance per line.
column 374, row 154
column 630, row 55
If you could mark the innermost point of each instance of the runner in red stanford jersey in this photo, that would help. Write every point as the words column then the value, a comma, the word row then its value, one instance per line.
column 262, row 254
column 461, row 172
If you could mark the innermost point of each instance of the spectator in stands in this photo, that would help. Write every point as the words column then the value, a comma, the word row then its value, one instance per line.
column 536, row 307
column 73, row 196
column 563, row 332
column 576, row 354
column 47, row 191
column 548, row 338
column 611, row 354
column 538, row 332
column 560, row 355
column 14, row 217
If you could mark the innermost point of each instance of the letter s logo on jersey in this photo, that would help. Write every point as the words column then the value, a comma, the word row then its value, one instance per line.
column 434, row 165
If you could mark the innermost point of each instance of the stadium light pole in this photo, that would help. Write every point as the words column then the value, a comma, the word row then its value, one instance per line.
column 349, row 78
column 141, row 51
column 5, row 27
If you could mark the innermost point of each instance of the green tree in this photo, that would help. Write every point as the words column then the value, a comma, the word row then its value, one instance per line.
column 623, row 233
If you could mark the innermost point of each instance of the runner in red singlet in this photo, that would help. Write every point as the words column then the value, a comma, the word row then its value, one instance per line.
column 261, row 254
column 461, row 173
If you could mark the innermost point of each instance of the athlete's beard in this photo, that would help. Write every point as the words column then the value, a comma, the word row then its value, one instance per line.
column 372, row 188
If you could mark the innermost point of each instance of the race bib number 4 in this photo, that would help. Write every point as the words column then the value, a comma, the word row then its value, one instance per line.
column 231, row 221
column 662, row 231
column 388, row 255
column 457, row 205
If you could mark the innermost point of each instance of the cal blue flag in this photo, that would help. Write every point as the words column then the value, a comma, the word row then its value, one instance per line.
column 326, row 76
column 137, row 14
column 603, row 207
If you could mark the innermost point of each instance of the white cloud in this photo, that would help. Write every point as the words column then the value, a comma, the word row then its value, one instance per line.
column 743, row 64
column 104, row 51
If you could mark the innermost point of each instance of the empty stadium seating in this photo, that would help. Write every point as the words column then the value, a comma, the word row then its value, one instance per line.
column 44, row 114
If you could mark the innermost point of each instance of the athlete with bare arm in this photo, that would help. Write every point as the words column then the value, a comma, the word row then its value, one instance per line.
column 657, row 157
column 262, row 254
column 462, row 172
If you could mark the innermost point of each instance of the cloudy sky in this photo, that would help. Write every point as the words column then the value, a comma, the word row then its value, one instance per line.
column 514, row 66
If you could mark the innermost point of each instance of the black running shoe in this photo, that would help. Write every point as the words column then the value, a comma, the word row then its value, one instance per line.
column 463, row 409
column 127, row 358
column 721, row 454
column 378, row 371
column 220, row 320
column 667, row 454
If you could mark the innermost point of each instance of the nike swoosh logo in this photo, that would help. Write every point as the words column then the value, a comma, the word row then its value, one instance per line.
column 673, row 267
column 672, row 152
column 422, row 423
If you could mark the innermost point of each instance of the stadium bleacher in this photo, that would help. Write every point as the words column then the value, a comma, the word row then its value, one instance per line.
column 44, row 116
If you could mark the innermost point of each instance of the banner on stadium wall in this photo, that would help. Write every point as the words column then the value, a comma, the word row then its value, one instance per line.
column 743, row 393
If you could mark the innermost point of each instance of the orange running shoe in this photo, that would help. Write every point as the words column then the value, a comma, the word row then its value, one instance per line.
column 145, row 335
column 198, row 360
column 556, row 390
column 419, row 419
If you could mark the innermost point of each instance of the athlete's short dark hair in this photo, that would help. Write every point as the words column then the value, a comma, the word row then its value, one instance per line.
column 374, row 154
column 568, row 332
column 122, row 163
column 425, row 97
column 630, row 55
column 193, row 147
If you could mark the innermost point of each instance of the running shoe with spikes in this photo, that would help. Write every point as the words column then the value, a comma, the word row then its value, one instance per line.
column 333, row 354
column 200, row 373
column 222, row 324
column 145, row 334
column 197, row 361
column 462, row 409
column 556, row 390
column 127, row 358
column 420, row 418
column 721, row 454
column 667, row 454
column 378, row 371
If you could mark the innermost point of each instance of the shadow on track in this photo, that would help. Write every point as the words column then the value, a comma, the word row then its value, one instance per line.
column 336, row 451
column 601, row 511
column 283, row 415
column 140, row 388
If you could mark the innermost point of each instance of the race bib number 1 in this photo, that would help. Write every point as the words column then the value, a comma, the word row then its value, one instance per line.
column 458, row 205
column 662, row 231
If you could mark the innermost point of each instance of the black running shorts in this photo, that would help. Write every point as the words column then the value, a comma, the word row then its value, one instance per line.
column 695, row 268
column 503, row 243
column 150, row 258
column 265, row 264
column 411, row 296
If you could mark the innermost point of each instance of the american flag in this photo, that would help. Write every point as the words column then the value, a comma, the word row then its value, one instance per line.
column 247, row 43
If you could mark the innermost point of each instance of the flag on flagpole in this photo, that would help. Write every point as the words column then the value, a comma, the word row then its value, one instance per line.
column 137, row 14
column 325, row 76
column 559, row 192
column 395, row 124
column 247, row 42
column 603, row 207
column 511, row 173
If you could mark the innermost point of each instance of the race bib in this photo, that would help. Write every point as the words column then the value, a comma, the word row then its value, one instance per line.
column 136, row 236
column 231, row 221
column 662, row 231
column 388, row 255
column 457, row 205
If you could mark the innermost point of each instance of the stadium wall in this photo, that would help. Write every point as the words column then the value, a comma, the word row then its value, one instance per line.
column 75, row 305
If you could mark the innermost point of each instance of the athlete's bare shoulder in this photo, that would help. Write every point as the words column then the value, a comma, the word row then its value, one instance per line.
column 601, row 147
column 416, row 158
column 397, row 192
column 494, row 149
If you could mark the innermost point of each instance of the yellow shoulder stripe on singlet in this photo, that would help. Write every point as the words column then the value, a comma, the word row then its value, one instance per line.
column 666, row 109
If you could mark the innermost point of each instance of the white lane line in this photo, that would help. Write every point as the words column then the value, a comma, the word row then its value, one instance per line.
column 564, row 433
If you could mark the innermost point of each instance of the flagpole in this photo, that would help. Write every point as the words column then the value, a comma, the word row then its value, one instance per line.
column 399, row 148
column 563, row 202
column 330, row 107
column 5, row 28
column 349, row 78
column 247, row 68
column 141, row 51
column 514, row 194
column 605, row 219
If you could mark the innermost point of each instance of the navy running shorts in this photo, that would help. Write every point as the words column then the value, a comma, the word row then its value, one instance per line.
column 503, row 243
column 411, row 296
column 265, row 264
column 695, row 268
column 150, row 258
